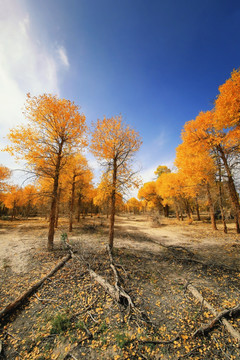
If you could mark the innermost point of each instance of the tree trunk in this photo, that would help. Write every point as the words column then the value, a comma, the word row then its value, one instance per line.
column 237, row 224
column 79, row 207
column 28, row 208
column 13, row 211
column 91, row 208
column 54, row 200
column 211, row 208
column 187, row 208
column 181, row 215
column 166, row 210
column 197, row 210
column 177, row 214
column 221, row 197
column 231, row 186
column 57, row 208
column 71, row 210
column 176, row 210
column 113, row 204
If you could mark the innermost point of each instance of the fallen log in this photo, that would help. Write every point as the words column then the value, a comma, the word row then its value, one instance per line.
column 225, row 313
column 19, row 301
column 117, row 285
column 117, row 294
column 227, row 325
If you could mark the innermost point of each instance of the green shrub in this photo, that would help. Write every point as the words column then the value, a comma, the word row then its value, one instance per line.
column 122, row 340
column 60, row 323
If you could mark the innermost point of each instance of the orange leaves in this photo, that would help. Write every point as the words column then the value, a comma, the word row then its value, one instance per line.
column 112, row 138
column 55, row 128
column 149, row 192
column 114, row 144
column 228, row 102
column 4, row 175
column 133, row 205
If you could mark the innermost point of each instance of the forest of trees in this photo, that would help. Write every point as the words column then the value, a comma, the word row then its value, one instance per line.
column 52, row 144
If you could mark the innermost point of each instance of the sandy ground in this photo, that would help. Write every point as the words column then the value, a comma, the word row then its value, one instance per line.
column 19, row 240
column 154, row 261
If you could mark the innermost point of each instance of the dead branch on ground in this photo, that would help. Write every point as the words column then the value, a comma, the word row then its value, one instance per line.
column 228, row 326
column 117, row 294
column 225, row 313
column 21, row 299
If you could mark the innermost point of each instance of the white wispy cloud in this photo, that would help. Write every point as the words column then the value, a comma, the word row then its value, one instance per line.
column 63, row 56
column 147, row 173
column 26, row 65
column 160, row 140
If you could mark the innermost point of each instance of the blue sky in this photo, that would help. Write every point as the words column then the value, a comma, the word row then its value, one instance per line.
column 157, row 62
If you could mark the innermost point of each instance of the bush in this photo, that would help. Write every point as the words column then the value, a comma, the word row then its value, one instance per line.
column 122, row 340
column 60, row 323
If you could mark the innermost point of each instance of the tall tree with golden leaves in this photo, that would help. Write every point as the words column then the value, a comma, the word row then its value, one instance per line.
column 4, row 176
column 204, row 134
column 55, row 131
column 78, row 174
column 114, row 144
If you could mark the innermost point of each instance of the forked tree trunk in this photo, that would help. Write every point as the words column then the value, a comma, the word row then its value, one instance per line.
column 113, row 204
column 54, row 200
column 211, row 207
column 231, row 186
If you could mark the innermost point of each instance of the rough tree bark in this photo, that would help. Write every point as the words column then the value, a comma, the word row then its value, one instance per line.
column 220, row 194
column 197, row 210
column 57, row 208
column 211, row 207
column 54, row 199
column 231, row 186
column 79, row 203
column 113, row 204
column 71, row 210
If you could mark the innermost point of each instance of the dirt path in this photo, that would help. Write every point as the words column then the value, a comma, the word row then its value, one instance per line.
column 18, row 241
column 139, row 232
